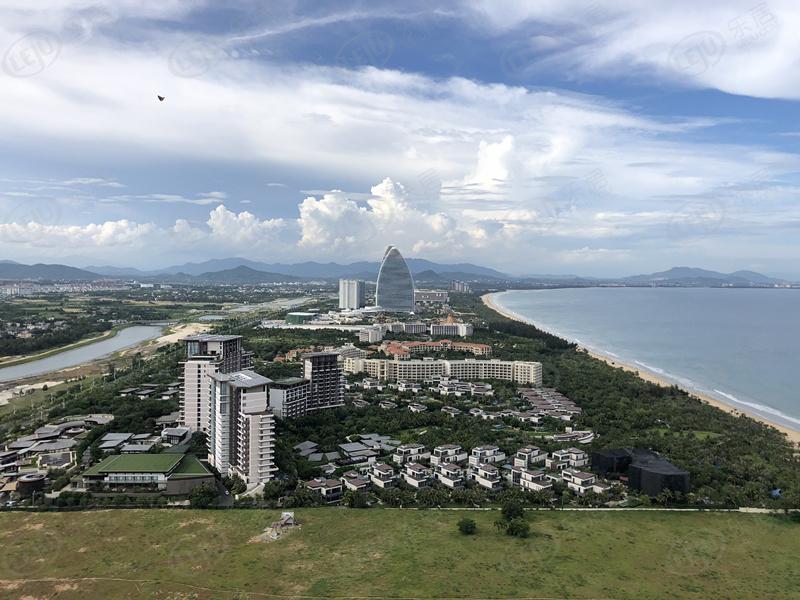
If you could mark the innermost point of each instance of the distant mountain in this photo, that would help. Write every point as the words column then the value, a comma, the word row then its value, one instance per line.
column 244, row 275
column 16, row 271
column 310, row 269
column 703, row 277
column 109, row 271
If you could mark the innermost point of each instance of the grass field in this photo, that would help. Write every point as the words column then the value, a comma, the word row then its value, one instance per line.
column 378, row 553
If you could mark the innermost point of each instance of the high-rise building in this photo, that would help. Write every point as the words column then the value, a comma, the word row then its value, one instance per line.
column 241, row 438
column 323, row 371
column 352, row 294
column 460, row 286
column 288, row 398
column 207, row 354
column 395, row 287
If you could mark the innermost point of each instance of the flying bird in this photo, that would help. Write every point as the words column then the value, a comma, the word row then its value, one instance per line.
column 160, row 98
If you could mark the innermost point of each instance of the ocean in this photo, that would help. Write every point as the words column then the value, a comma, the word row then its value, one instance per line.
column 739, row 346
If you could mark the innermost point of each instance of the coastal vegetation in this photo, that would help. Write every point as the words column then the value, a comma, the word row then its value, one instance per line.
column 733, row 460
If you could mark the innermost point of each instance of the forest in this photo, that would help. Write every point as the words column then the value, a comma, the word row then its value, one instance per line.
column 733, row 460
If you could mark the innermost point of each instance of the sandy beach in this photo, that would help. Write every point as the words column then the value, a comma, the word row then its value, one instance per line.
column 792, row 434
column 182, row 330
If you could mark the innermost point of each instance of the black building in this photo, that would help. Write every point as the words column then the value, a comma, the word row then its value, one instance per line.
column 647, row 471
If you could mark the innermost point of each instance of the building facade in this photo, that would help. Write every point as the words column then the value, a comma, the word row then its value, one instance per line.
column 451, row 329
column 242, row 435
column 523, row 372
column 352, row 294
column 430, row 297
column 326, row 380
column 205, row 355
column 288, row 398
column 394, row 291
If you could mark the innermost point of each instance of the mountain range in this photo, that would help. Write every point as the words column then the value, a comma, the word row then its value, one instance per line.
column 244, row 271
column 309, row 269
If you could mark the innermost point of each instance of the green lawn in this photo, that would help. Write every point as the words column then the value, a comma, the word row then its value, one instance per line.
column 379, row 553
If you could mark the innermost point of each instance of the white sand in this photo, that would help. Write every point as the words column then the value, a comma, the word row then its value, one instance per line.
column 7, row 395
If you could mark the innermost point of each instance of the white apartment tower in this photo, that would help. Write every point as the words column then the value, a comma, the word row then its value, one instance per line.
column 352, row 294
column 207, row 354
column 242, row 432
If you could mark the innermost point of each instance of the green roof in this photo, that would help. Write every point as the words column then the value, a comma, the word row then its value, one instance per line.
column 189, row 467
column 135, row 463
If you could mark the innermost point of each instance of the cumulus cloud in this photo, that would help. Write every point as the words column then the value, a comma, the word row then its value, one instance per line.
column 473, row 168
column 339, row 222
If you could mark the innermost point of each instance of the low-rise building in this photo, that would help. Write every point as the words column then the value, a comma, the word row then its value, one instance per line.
column 416, row 475
column 329, row 489
column 582, row 482
column 410, row 453
column 168, row 474
column 486, row 455
column 528, row 456
column 175, row 435
column 382, row 475
column 355, row 481
column 487, row 476
column 449, row 475
column 532, row 480
column 573, row 457
column 448, row 453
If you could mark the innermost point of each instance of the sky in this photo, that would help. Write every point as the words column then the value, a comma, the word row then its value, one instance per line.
column 597, row 138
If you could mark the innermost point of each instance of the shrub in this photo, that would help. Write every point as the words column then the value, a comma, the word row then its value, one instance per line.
column 467, row 526
column 512, row 509
column 518, row 527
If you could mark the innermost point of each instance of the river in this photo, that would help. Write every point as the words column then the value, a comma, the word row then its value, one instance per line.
column 125, row 338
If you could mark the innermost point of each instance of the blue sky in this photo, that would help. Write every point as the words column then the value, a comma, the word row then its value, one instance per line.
column 566, row 137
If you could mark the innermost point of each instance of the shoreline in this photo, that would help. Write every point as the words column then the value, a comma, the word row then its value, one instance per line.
column 792, row 434
column 24, row 359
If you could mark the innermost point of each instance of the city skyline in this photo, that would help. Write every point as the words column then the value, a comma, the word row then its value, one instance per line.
column 577, row 138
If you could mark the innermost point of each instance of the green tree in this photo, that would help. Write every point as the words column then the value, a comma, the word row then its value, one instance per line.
column 512, row 509
column 203, row 496
column 356, row 499
column 467, row 526
column 518, row 527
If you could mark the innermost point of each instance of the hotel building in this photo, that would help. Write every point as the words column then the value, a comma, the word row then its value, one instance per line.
column 242, row 433
column 205, row 355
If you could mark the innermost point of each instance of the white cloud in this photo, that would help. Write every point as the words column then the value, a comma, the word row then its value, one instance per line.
column 473, row 168
column 741, row 47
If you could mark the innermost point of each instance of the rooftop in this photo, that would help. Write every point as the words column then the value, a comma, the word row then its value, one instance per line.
column 242, row 379
column 289, row 381
column 136, row 463
column 210, row 337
